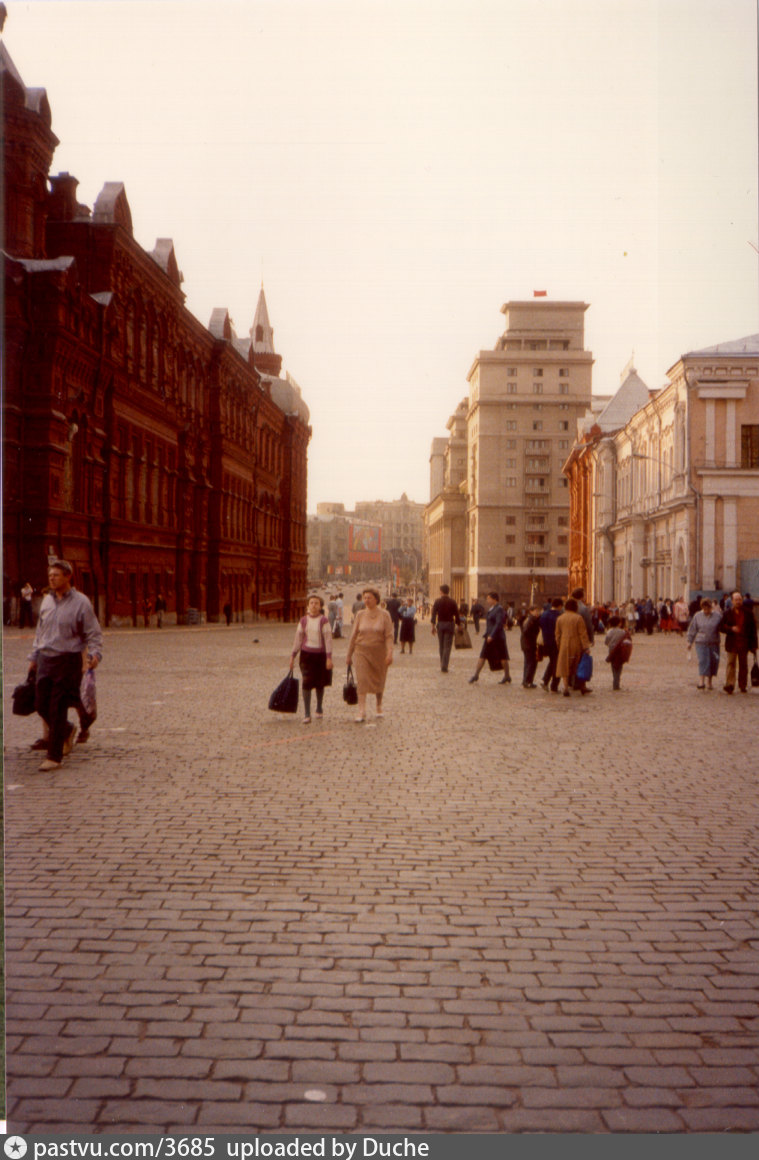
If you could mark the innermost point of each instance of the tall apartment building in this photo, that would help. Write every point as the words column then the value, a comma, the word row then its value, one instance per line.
column 525, row 397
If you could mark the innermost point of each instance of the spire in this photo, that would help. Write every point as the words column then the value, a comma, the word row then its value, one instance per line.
column 261, row 332
column 265, row 358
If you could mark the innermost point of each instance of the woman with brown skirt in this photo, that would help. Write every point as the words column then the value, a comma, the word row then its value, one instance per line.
column 371, row 644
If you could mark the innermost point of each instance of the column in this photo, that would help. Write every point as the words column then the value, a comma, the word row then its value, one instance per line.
column 728, row 573
column 708, row 517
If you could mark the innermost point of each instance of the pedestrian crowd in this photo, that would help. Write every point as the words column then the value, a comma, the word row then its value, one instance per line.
column 68, row 645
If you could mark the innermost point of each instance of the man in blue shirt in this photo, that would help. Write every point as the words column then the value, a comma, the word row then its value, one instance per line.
column 67, row 627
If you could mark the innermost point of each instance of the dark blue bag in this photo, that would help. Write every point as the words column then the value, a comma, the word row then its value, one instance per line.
column 284, row 699
column 584, row 668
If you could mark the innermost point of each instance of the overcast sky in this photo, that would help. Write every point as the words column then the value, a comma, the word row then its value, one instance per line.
column 396, row 170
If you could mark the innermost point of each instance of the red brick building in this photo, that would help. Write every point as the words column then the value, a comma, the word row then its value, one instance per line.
column 157, row 455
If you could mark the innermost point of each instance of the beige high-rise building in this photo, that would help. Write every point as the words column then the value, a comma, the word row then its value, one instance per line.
column 525, row 397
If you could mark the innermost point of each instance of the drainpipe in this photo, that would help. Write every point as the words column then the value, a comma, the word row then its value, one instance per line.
column 691, row 380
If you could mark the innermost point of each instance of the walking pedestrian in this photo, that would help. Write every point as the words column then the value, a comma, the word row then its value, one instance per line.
column 619, row 643
column 313, row 641
column 356, row 607
column 578, row 594
column 67, row 626
column 408, row 620
column 740, row 632
column 160, row 608
column 703, row 631
column 680, row 615
column 477, row 612
column 548, row 628
column 445, row 617
column 572, row 641
column 371, row 642
column 494, row 649
column 393, row 606
column 25, row 613
column 528, row 640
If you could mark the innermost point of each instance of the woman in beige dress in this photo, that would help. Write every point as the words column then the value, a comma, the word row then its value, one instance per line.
column 572, row 641
column 371, row 643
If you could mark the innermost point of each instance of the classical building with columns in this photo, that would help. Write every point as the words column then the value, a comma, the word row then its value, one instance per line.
column 669, row 501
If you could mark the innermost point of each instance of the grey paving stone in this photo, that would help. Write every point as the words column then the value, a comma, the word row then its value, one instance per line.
column 497, row 940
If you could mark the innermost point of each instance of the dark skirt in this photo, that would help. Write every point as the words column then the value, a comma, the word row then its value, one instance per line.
column 408, row 635
column 495, row 652
column 313, row 667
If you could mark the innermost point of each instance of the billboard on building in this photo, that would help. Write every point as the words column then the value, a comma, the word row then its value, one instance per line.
column 364, row 544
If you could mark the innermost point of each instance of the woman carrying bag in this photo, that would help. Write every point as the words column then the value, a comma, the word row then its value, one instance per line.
column 371, row 644
column 313, row 640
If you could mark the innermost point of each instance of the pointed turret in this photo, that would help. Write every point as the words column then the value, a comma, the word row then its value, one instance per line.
column 265, row 358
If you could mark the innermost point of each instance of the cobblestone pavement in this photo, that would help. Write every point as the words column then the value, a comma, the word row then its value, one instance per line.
column 493, row 910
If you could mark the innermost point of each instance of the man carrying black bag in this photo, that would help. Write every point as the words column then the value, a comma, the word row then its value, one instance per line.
column 67, row 627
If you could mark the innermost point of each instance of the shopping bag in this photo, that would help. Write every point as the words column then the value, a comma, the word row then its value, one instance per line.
column 284, row 699
column 350, row 692
column 24, row 696
column 754, row 675
column 87, row 694
column 584, row 668
column 461, row 637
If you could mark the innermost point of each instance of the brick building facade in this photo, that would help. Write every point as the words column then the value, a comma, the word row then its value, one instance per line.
column 156, row 454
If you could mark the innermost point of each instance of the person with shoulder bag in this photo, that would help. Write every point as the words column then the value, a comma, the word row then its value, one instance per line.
column 313, row 640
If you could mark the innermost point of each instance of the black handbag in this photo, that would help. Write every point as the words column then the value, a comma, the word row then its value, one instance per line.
column 350, row 692
column 754, row 675
column 284, row 699
column 24, row 696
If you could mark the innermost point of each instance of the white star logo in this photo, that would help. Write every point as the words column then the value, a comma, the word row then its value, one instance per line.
column 15, row 1147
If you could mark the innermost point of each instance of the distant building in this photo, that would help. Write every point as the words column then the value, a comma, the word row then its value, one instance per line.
column 589, row 550
column 156, row 454
column 501, row 519
column 446, row 513
column 402, row 524
column 378, row 540
column 670, row 497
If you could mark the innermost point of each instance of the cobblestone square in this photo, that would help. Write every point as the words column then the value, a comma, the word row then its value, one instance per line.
column 493, row 910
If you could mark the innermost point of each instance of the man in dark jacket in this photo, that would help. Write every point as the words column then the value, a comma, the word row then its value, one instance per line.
column 739, row 627
column 445, row 617
column 529, row 643
column 393, row 605
column 548, row 628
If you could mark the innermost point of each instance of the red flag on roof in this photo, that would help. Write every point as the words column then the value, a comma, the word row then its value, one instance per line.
column 539, row 293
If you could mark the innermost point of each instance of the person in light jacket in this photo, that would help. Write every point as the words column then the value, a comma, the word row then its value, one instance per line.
column 703, row 631
column 313, row 640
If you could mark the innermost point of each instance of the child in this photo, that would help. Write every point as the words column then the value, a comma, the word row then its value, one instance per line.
column 619, row 644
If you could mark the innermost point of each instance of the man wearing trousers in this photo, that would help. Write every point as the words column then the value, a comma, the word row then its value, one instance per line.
column 445, row 617
column 67, row 627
